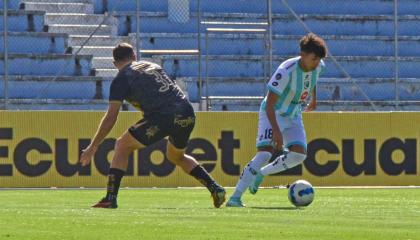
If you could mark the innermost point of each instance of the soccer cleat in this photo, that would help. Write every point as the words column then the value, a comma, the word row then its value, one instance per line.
column 219, row 197
column 105, row 203
column 253, row 188
column 235, row 202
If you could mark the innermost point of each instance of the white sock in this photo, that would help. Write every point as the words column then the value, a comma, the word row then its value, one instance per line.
column 284, row 162
column 249, row 172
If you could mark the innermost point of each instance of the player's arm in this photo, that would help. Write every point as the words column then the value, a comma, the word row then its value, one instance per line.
column 105, row 126
column 271, row 114
column 276, row 86
column 312, row 104
column 107, row 123
column 118, row 89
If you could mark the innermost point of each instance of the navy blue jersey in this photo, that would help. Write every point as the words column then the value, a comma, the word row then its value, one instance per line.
column 147, row 87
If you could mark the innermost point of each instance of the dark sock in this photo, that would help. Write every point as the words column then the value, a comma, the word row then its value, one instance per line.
column 204, row 177
column 114, row 180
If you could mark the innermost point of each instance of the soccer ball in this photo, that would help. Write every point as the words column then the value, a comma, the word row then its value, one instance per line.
column 301, row 193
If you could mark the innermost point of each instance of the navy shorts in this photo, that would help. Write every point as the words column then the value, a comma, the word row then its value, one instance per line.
column 176, row 121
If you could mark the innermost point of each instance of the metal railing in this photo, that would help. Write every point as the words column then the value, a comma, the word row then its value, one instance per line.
column 6, row 57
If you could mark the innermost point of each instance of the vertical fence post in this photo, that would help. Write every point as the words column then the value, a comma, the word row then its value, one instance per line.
column 200, row 82
column 6, row 60
column 138, row 29
column 270, row 40
column 396, row 55
column 207, row 72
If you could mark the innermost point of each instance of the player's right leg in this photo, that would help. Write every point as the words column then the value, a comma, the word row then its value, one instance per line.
column 124, row 146
column 251, row 171
column 248, row 175
column 143, row 133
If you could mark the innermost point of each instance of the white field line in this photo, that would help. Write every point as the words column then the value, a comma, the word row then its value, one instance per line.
column 195, row 188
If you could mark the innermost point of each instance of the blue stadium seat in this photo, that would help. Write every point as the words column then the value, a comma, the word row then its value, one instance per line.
column 70, row 87
column 12, row 4
column 35, row 42
column 47, row 64
column 23, row 21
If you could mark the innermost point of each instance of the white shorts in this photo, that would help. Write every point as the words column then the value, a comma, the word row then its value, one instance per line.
column 292, row 130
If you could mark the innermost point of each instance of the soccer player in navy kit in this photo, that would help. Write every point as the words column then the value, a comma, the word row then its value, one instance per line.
column 167, row 112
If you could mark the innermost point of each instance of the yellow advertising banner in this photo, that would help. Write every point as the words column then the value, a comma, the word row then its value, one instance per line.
column 41, row 149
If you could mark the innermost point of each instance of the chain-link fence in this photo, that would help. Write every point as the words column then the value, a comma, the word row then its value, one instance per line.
column 236, row 48
column 57, row 54
column 370, row 64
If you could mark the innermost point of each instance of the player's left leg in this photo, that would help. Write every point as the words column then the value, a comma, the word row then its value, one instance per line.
column 294, row 138
column 294, row 157
column 179, row 134
column 178, row 157
column 295, row 141
column 192, row 167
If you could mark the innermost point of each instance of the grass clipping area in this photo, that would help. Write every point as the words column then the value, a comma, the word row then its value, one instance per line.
column 188, row 214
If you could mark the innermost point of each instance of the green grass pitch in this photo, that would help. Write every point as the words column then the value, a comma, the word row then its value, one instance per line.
column 188, row 214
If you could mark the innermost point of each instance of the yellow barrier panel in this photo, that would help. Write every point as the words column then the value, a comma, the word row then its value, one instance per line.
column 41, row 149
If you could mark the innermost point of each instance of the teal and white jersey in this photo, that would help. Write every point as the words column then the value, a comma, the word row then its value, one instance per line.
column 293, row 86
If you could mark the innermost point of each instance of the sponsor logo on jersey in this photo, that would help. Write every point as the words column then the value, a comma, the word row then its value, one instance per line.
column 278, row 76
column 183, row 122
column 306, row 84
column 304, row 95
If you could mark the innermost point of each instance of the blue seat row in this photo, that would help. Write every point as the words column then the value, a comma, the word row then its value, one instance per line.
column 158, row 22
column 35, row 42
column 47, row 64
column 43, row 87
column 377, row 89
column 253, row 66
column 23, row 21
column 370, row 7
column 254, row 44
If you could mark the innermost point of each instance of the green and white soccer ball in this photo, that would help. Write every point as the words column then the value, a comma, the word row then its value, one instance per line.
column 301, row 193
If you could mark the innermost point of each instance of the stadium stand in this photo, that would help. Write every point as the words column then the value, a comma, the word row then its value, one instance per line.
column 36, row 53
column 361, row 38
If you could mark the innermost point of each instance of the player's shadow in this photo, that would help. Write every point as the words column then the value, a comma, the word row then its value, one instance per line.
column 277, row 208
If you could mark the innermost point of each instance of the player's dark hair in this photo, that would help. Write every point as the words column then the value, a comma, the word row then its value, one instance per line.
column 122, row 51
column 311, row 43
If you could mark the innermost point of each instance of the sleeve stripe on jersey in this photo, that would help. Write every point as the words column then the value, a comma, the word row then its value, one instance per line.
column 274, row 90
